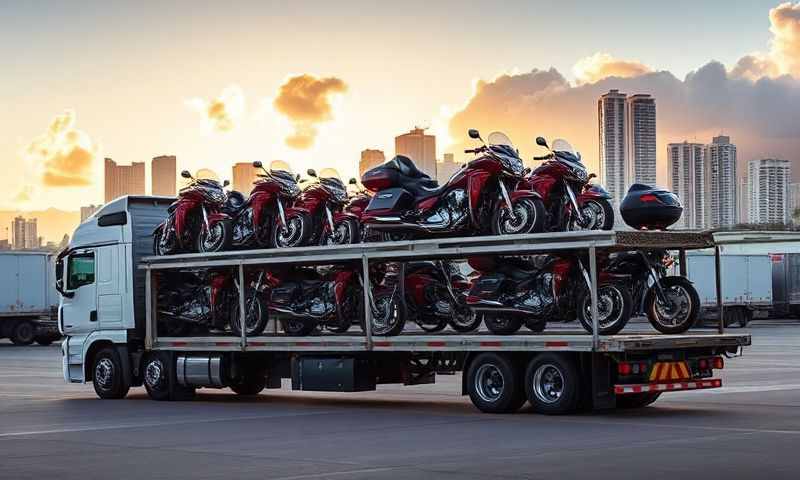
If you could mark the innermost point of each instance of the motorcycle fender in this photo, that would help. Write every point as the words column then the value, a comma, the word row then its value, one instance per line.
column 339, row 216
column 260, row 202
column 216, row 217
column 475, row 185
column 342, row 280
column 593, row 192
column 518, row 194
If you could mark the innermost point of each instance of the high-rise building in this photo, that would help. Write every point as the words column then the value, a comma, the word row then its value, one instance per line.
column 720, row 155
column 88, row 211
column 689, row 179
column 446, row 168
column 162, row 175
column 244, row 175
column 370, row 159
column 420, row 148
column 611, row 127
column 794, row 202
column 743, row 200
column 641, row 137
column 627, row 134
column 24, row 233
column 769, row 188
column 123, row 180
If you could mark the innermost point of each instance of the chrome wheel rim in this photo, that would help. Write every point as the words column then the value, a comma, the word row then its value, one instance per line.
column 384, row 317
column 515, row 224
column 339, row 236
column 290, row 234
column 680, row 305
column 104, row 373
column 154, row 374
column 489, row 383
column 548, row 383
column 593, row 217
column 251, row 319
column 213, row 238
column 609, row 306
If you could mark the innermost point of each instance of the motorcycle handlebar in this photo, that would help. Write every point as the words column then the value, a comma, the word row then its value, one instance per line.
column 544, row 157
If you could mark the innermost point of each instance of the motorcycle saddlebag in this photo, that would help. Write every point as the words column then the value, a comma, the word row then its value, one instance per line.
column 380, row 178
column 487, row 287
column 398, row 199
column 284, row 294
column 650, row 208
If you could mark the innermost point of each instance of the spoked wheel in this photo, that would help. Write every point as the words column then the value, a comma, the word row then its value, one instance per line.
column 344, row 232
column 216, row 238
column 595, row 215
column 295, row 233
column 679, row 312
column 614, row 306
column 256, row 315
column 528, row 217
column 387, row 319
column 502, row 324
column 164, row 242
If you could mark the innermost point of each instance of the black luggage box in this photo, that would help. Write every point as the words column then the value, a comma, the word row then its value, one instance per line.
column 397, row 199
column 650, row 208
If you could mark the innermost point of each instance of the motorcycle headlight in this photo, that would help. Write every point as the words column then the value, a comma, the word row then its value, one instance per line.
column 290, row 189
column 338, row 194
column 513, row 165
column 581, row 174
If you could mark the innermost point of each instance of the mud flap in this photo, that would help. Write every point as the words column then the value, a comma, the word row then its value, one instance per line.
column 598, row 389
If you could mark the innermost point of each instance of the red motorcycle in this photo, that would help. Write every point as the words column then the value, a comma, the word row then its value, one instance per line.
column 196, row 221
column 408, row 204
column 534, row 290
column 317, row 216
column 253, row 217
column 571, row 202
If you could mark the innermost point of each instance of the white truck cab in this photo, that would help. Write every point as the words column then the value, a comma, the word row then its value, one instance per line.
column 99, row 285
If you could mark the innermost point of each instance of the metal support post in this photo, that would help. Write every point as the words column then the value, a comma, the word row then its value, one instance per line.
column 149, row 314
column 367, row 302
column 682, row 262
column 242, row 312
column 718, row 276
column 593, row 288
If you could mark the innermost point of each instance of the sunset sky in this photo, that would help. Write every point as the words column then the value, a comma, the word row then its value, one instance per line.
column 315, row 83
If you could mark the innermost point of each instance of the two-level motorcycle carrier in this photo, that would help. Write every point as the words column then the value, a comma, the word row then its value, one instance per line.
column 557, row 371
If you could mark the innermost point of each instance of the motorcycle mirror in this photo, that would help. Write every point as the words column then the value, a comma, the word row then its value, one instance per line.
column 353, row 181
column 186, row 174
column 541, row 142
column 297, row 178
column 226, row 183
column 474, row 134
column 256, row 164
column 311, row 172
column 592, row 175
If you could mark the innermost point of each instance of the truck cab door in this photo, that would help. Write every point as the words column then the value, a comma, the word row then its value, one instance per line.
column 78, row 313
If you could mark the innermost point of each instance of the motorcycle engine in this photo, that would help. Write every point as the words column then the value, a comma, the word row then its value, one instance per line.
column 452, row 210
column 539, row 300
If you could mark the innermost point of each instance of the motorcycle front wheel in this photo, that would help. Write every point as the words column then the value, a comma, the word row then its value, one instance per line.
column 528, row 217
column 614, row 307
column 216, row 238
column 502, row 324
column 387, row 317
column 164, row 243
column 344, row 232
column 681, row 312
column 466, row 321
column 255, row 319
column 597, row 215
column 296, row 232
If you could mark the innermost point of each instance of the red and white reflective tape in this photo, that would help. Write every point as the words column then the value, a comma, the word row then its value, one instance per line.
column 667, row 387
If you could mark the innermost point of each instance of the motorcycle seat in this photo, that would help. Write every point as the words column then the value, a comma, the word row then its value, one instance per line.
column 406, row 167
column 234, row 202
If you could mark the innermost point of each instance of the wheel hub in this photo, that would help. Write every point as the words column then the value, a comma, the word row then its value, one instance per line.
column 548, row 383
column 154, row 374
column 104, row 372
column 489, row 383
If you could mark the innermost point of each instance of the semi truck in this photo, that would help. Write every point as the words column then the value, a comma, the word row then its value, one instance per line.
column 762, row 273
column 28, row 298
column 113, row 295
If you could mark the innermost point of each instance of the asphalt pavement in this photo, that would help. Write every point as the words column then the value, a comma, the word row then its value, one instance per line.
column 748, row 429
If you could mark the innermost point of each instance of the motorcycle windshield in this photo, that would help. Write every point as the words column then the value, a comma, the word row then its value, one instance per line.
column 562, row 146
column 280, row 166
column 329, row 173
column 499, row 138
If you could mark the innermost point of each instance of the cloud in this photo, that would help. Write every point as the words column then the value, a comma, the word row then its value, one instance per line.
column 783, row 57
column 602, row 65
column 24, row 195
column 221, row 114
column 762, row 116
column 306, row 102
column 65, row 153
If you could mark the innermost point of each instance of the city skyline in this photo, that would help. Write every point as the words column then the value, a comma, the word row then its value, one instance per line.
column 247, row 107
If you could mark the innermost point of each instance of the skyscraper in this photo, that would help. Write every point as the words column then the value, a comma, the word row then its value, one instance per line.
column 641, row 137
column 370, row 159
column 769, row 188
column 162, row 173
column 446, row 168
column 794, row 201
column 689, row 179
column 611, row 127
column 627, row 130
column 24, row 233
column 244, row 174
column 721, row 157
column 123, row 180
column 418, row 147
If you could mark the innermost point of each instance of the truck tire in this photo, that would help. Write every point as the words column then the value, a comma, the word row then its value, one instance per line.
column 23, row 333
column 44, row 341
column 108, row 378
column 637, row 400
column 160, row 381
column 252, row 383
column 494, row 384
column 552, row 384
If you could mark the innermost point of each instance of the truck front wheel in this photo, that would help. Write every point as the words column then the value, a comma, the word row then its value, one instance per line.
column 23, row 333
column 107, row 376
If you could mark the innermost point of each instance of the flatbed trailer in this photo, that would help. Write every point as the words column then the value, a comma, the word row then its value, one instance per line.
column 556, row 371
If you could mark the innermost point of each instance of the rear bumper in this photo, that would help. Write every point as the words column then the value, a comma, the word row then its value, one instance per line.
column 667, row 387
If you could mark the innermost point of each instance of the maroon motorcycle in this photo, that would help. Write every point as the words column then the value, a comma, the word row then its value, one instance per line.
column 571, row 202
column 196, row 221
column 483, row 196
column 317, row 215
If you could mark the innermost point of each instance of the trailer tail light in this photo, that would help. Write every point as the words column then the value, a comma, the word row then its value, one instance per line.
column 703, row 364
column 624, row 368
column 718, row 363
column 632, row 368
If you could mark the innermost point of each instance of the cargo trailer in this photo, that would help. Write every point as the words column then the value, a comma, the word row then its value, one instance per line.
column 28, row 297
